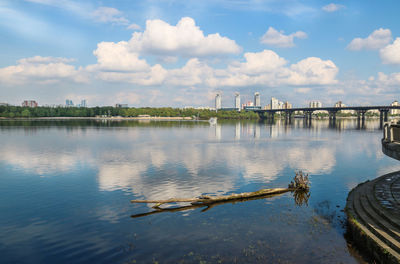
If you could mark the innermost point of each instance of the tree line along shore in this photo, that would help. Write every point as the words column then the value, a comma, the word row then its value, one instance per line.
column 109, row 111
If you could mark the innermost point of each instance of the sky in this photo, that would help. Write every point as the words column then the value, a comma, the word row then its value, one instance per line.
column 182, row 52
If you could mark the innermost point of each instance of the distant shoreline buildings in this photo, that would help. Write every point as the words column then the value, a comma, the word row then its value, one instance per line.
column 395, row 111
column 69, row 103
column 277, row 104
column 238, row 105
column 29, row 103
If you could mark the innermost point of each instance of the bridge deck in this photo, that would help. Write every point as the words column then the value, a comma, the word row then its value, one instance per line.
column 329, row 109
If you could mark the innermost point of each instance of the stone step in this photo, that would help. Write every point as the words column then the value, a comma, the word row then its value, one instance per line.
column 390, row 232
column 395, row 190
column 393, row 222
column 365, row 230
column 372, row 224
column 383, row 193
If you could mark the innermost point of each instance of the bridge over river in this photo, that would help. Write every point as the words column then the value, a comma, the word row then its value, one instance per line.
column 308, row 111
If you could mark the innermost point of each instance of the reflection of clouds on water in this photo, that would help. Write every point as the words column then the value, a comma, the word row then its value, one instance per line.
column 119, row 175
column 42, row 164
column 159, row 162
column 316, row 160
column 387, row 169
column 174, row 177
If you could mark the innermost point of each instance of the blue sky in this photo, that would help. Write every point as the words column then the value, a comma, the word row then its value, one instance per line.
column 181, row 53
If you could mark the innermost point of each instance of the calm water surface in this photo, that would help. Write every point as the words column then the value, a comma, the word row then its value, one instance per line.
column 66, row 188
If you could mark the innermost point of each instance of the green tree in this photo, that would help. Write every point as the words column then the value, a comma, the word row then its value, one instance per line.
column 25, row 113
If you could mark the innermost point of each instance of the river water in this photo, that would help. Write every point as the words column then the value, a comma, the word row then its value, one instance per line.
column 66, row 186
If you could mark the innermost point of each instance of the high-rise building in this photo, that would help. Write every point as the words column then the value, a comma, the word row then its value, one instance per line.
column 315, row 104
column 339, row 104
column 274, row 103
column 69, row 102
column 121, row 105
column 218, row 104
column 237, row 101
column 257, row 101
column 83, row 103
column 250, row 103
column 395, row 111
column 287, row 105
column 29, row 103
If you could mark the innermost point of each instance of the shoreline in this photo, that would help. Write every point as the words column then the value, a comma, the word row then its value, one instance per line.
column 163, row 118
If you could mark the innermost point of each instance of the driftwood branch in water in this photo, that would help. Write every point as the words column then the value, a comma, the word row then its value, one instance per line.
column 209, row 206
column 208, row 200
column 300, row 187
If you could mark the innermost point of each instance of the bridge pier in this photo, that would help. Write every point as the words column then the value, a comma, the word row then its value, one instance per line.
column 271, row 116
column 288, row 116
column 383, row 116
column 308, row 117
column 261, row 115
column 332, row 115
column 361, row 115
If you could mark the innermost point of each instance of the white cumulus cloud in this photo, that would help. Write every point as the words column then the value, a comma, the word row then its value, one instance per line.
column 332, row 7
column 134, row 27
column 391, row 53
column 392, row 79
column 155, row 75
column 259, row 62
column 185, row 39
column 117, row 57
column 193, row 73
column 109, row 15
column 279, row 39
column 376, row 40
column 269, row 69
column 42, row 70
column 313, row 70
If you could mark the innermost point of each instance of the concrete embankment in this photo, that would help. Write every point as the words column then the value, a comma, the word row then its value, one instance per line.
column 373, row 211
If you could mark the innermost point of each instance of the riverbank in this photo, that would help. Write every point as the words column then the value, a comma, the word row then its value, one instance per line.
column 160, row 118
column 373, row 213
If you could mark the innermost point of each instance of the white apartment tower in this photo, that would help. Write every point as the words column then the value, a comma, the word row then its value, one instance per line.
column 257, row 101
column 274, row 103
column 218, row 101
column 395, row 111
column 237, row 101
column 315, row 104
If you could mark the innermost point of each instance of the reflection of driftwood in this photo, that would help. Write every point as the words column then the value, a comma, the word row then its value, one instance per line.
column 207, row 200
column 209, row 206
column 301, row 197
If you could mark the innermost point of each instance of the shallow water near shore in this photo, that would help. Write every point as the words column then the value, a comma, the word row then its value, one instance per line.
column 66, row 187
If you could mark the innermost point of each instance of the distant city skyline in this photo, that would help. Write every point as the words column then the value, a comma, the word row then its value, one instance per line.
column 273, row 103
column 117, row 52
